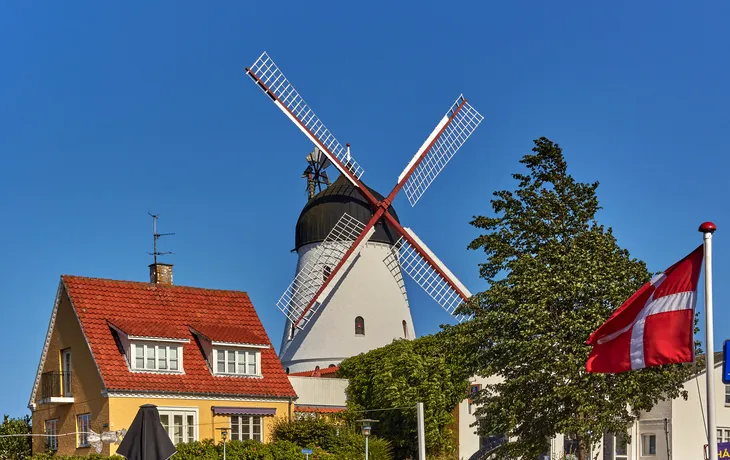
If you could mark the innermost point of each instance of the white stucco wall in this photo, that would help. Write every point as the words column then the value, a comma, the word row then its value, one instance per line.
column 369, row 290
column 468, row 439
column 320, row 391
column 687, row 421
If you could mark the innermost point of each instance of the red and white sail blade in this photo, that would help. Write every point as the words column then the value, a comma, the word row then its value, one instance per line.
column 432, row 275
column 313, row 275
column 273, row 82
column 441, row 145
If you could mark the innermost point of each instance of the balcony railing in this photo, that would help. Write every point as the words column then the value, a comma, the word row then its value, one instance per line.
column 56, row 385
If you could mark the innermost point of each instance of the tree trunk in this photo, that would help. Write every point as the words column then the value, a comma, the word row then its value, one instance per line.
column 583, row 452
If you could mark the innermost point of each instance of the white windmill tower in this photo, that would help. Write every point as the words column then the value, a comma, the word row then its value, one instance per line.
column 348, row 295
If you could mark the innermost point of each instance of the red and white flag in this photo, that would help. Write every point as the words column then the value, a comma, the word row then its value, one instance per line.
column 655, row 326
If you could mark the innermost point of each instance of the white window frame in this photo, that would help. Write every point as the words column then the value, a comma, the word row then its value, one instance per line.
column 66, row 372
column 645, row 444
column 251, row 418
column 626, row 456
column 236, row 367
column 51, row 427
column 723, row 430
column 727, row 395
column 156, row 346
column 170, row 412
column 83, row 425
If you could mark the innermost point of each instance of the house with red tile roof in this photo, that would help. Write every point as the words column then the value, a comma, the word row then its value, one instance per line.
column 200, row 355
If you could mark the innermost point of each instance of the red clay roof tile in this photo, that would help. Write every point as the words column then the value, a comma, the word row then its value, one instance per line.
column 149, row 329
column 145, row 306
column 317, row 372
column 319, row 409
column 229, row 334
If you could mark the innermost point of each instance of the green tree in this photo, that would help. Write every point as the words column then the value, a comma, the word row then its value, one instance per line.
column 555, row 274
column 15, row 447
column 398, row 376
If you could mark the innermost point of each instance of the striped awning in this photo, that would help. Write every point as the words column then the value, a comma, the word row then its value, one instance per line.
column 227, row 410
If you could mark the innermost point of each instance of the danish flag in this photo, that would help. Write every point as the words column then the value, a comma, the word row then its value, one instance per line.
column 654, row 326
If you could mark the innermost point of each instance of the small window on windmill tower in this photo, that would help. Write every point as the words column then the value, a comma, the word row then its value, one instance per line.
column 405, row 329
column 326, row 273
column 359, row 326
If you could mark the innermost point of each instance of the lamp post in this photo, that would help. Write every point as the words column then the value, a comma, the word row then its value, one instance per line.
column 224, row 435
column 366, row 429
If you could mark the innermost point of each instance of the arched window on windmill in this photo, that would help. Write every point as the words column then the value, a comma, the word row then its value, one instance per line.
column 326, row 273
column 359, row 326
column 405, row 329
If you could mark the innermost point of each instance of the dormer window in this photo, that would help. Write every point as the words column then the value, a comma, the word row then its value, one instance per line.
column 148, row 347
column 237, row 361
column 230, row 351
column 156, row 357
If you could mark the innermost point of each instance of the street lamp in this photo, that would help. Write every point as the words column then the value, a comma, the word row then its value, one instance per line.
column 224, row 435
column 366, row 429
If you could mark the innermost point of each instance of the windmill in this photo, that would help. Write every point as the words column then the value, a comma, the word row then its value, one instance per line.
column 306, row 293
column 315, row 173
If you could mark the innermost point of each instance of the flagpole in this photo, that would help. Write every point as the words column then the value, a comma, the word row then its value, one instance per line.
column 707, row 229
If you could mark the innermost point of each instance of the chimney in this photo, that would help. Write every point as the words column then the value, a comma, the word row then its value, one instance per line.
column 161, row 273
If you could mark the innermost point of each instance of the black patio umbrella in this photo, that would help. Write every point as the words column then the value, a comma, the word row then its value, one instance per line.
column 146, row 439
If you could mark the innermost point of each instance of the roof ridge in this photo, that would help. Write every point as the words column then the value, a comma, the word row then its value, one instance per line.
column 147, row 283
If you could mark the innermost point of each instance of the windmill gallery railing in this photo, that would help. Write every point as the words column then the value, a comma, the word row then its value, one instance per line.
column 56, row 385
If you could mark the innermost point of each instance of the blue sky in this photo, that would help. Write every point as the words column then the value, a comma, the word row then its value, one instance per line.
column 111, row 109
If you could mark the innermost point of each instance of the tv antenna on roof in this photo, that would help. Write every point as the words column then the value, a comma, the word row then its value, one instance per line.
column 156, row 236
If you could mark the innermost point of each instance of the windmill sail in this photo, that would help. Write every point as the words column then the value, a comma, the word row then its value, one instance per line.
column 275, row 84
column 440, row 146
column 308, row 281
column 438, row 281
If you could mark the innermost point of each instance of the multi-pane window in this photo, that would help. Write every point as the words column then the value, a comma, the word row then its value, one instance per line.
column 235, row 361
column 727, row 394
column 52, row 434
column 648, row 444
column 179, row 424
column 621, row 449
column 245, row 427
column 723, row 434
column 83, row 425
column 156, row 357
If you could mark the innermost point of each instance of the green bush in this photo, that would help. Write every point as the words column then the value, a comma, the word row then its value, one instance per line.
column 350, row 444
column 346, row 446
column 254, row 450
column 49, row 456
column 341, row 440
column 15, row 447
column 314, row 432
column 203, row 450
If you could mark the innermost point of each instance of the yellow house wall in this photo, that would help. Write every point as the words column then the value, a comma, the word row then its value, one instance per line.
column 86, row 385
column 122, row 411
